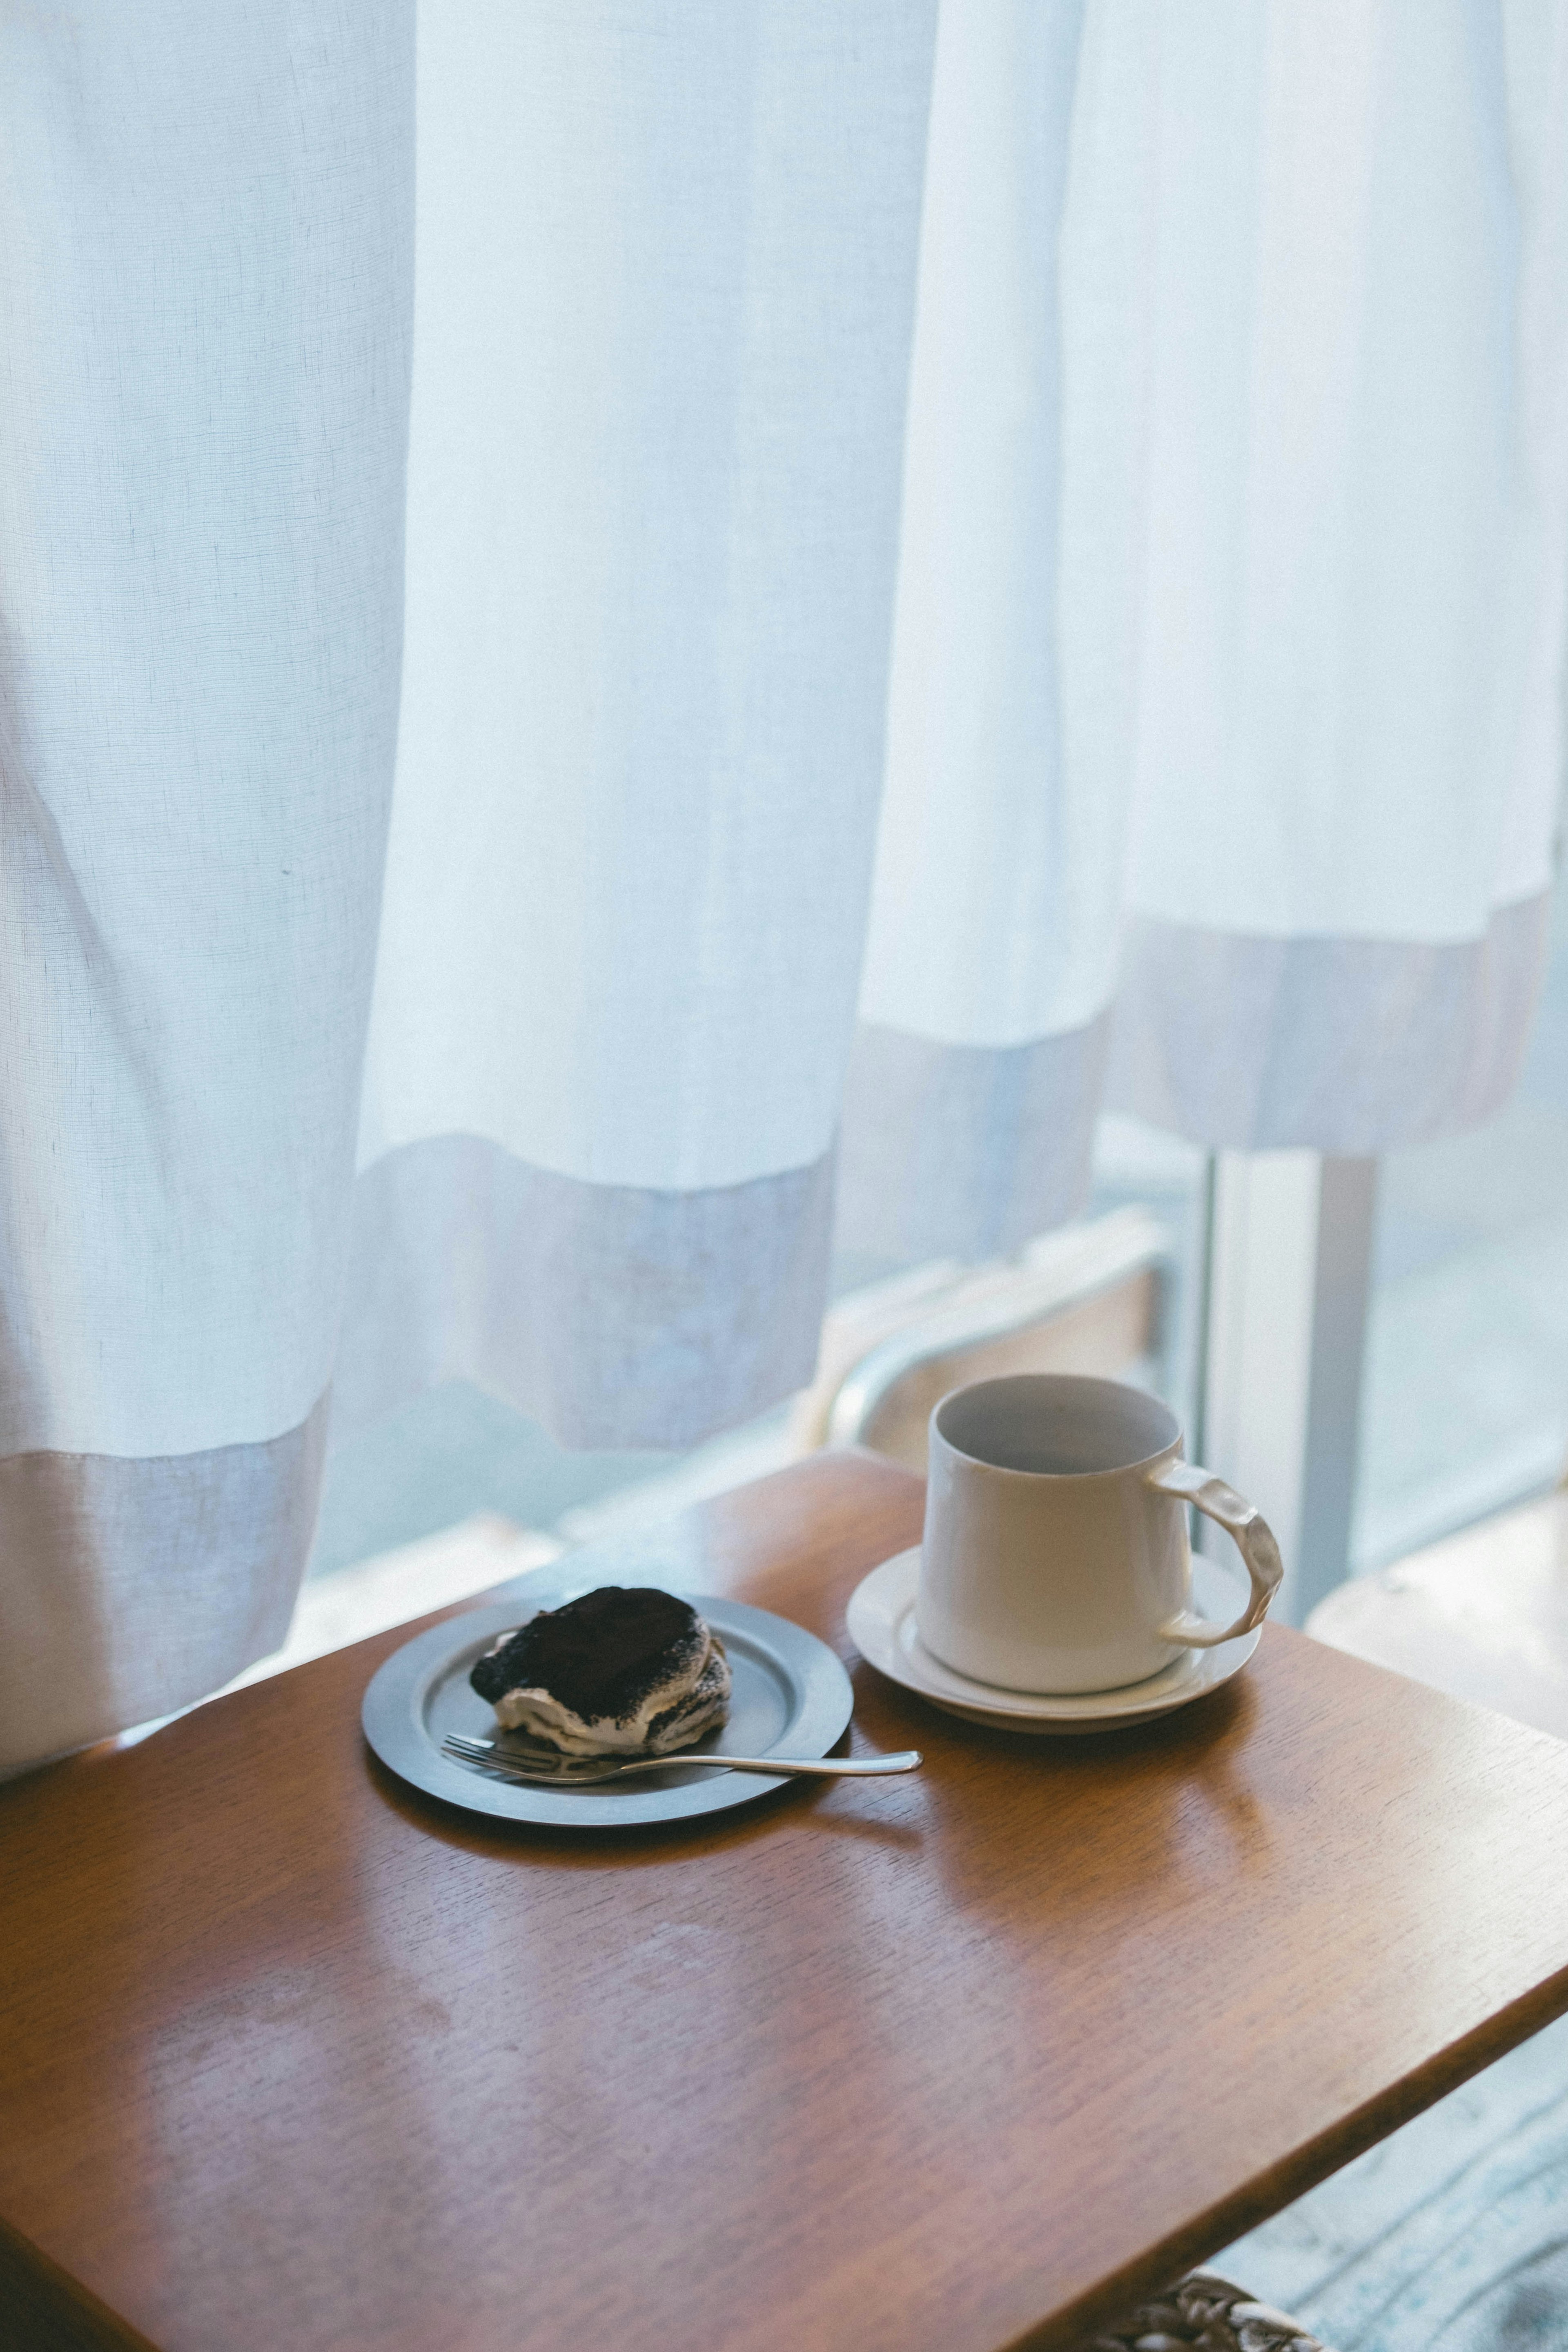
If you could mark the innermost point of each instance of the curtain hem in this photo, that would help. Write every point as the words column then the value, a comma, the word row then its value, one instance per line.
column 135, row 1586
column 966, row 1151
column 1345, row 1045
column 615, row 1315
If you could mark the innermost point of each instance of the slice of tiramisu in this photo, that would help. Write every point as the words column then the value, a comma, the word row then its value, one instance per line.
column 625, row 1670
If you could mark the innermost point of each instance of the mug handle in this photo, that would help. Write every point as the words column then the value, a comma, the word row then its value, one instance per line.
column 1254, row 1540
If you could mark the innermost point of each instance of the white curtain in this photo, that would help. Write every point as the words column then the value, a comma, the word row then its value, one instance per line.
column 930, row 571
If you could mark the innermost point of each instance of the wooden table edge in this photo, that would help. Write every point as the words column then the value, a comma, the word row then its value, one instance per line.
column 1190, row 2249
column 43, row 2309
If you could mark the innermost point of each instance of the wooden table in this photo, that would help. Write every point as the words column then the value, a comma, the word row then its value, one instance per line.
column 294, row 2057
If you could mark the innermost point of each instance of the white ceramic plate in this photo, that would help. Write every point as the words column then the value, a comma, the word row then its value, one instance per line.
column 789, row 1694
column 881, row 1618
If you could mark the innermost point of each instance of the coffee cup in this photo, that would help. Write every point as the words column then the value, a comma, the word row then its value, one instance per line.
column 1056, row 1557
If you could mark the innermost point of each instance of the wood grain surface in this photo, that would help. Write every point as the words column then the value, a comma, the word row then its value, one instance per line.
column 294, row 2057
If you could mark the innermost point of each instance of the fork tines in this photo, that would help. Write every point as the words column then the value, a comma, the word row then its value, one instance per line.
column 537, row 1763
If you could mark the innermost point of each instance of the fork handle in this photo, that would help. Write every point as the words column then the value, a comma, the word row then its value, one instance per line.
column 845, row 1767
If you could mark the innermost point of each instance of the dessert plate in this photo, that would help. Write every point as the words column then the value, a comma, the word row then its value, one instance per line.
column 881, row 1618
column 790, row 1697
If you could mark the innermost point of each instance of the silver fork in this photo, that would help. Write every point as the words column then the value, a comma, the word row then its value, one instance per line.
column 584, row 1773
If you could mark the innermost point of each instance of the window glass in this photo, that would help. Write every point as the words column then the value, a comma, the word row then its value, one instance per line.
column 1464, row 1391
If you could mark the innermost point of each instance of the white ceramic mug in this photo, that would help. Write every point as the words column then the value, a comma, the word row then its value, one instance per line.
column 1056, row 1555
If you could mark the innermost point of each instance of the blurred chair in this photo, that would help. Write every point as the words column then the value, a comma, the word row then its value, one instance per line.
column 1089, row 1298
column 1209, row 2314
column 1483, row 1615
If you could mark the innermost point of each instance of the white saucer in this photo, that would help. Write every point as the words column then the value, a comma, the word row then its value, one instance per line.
column 881, row 1618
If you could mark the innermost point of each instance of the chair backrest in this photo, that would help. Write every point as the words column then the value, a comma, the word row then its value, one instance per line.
column 1087, row 1299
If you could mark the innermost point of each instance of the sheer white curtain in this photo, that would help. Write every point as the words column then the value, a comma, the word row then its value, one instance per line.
column 1227, row 694
column 1045, row 526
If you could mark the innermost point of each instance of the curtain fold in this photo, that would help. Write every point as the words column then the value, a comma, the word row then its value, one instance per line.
column 1226, row 710
column 737, row 628
column 666, row 290
column 205, row 265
